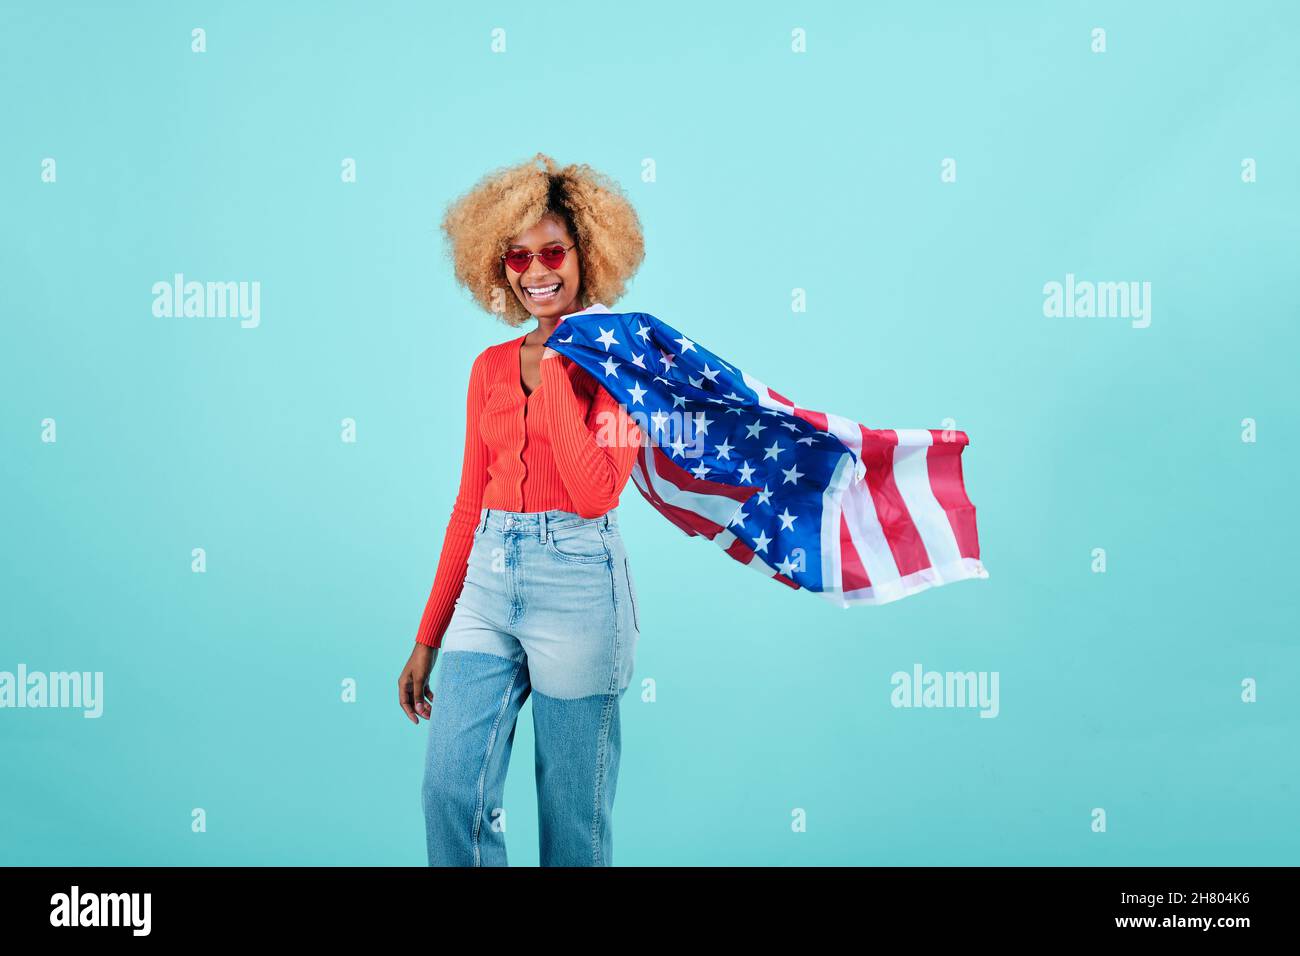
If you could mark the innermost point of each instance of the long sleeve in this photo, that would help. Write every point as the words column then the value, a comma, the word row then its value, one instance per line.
column 459, row 539
column 594, row 450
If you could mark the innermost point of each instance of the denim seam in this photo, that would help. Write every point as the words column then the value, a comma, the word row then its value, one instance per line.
column 613, row 593
column 487, row 758
column 611, row 698
column 514, row 587
column 631, row 596
column 602, row 758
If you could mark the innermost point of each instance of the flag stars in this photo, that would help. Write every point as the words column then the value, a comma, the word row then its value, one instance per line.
column 606, row 338
column 645, row 373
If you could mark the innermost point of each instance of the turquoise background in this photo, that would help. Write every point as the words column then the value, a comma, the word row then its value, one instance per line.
column 775, row 171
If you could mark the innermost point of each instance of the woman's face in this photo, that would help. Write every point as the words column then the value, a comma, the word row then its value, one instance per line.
column 546, row 293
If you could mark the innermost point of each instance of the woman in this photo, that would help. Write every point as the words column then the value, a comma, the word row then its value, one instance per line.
column 533, row 595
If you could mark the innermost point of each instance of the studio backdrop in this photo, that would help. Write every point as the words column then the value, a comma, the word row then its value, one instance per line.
column 1065, row 230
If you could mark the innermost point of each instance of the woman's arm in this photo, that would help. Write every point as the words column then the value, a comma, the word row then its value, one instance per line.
column 459, row 539
column 594, row 451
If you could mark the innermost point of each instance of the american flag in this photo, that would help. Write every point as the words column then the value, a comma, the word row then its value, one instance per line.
column 859, row 515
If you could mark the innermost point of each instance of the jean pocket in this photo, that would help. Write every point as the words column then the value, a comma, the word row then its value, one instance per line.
column 583, row 544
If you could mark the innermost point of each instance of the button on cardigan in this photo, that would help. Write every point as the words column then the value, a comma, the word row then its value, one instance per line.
column 567, row 445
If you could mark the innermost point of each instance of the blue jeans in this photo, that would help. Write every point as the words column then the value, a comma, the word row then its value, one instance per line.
column 548, row 609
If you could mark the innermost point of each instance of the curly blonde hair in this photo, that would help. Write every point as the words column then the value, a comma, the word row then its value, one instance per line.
column 505, row 202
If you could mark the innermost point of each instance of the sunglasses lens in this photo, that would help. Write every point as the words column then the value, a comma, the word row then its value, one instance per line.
column 519, row 260
column 552, row 257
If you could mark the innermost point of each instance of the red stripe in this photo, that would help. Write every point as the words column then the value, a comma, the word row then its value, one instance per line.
column 652, row 496
column 670, row 471
column 891, row 510
column 815, row 419
column 778, row 396
column 853, row 576
column 690, row 521
column 740, row 551
column 949, row 487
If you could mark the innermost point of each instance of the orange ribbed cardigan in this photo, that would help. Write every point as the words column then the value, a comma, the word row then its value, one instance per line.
column 568, row 444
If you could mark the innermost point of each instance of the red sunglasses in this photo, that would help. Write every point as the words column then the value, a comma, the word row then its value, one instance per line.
column 552, row 257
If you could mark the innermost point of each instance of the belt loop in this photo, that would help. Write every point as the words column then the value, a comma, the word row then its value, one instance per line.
column 541, row 524
column 605, row 523
column 483, row 519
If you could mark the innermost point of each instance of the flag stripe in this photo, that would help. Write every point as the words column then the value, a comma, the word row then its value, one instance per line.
column 867, row 537
column 912, row 473
column 950, row 490
column 878, row 514
column 896, row 521
column 705, row 510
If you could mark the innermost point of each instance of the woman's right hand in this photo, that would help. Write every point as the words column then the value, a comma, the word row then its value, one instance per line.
column 413, row 686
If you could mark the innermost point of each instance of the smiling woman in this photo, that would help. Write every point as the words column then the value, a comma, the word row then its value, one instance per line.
column 530, row 207
column 533, row 594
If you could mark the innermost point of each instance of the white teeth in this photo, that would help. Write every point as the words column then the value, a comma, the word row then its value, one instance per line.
column 543, row 290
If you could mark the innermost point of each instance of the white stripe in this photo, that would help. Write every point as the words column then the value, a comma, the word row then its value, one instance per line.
column 868, row 536
column 831, row 569
column 764, row 397
column 848, row 432
column 911, row 584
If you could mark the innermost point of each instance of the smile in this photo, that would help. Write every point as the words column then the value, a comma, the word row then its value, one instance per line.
column 543, row 293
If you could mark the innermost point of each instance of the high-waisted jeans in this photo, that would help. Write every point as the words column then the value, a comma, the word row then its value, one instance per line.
column 548, row 609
